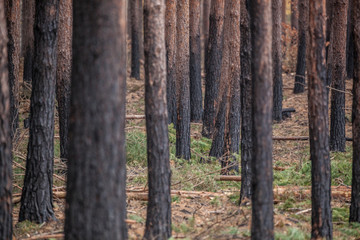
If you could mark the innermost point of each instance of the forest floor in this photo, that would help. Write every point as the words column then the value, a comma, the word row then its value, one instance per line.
column 213, row 211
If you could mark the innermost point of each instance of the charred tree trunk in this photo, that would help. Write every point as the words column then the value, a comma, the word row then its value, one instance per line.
column 205, row 21
column 5, row 136
column 329, row 16
column 213, row 66
column 158, row 219
column 276, row 58
column 262, row 226
column 337, row 119
column 63, row 72
column 246, row 103
column 183, row 80
column 28, row 18
column 195, row 62
column 136, row 10
column 36, row 198
column 299, row 86
column 355, row 186
column 294, row 14
column 170, row 39
column 13, row 17
column 96, row 195
column 350, row 44
column 321, row 219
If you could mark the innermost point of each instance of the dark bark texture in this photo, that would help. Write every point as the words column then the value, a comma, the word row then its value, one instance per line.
column 206, row 21
column 136, row 11
column 299, row 86
column 183, row 80
column 158, row 219
column 36, row 198
column 276, row 58
column 195, row 61
column 321, row 219
column 355, row 186
column 63, row 72
column 13, row 17
column 96, row 198
column 213, row 66
column 5, row 137
column 262, row 226
column 170, row 39
column 350, row 44
column 28, row 19
column 294, row 14
column 246, row 103
column 338, row 50
column 329, row 16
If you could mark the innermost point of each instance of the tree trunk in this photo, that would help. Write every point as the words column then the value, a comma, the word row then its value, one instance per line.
column 299, row 86
column 355, row 186
column 205, row 22
column 262, row 226
column 276, row 58
column 13, row 17
column 36, row 198
column 246, row 103
column 63, row 72
column 318, row 124
column 170, row 39
column 337, row 119
column 183, row 80
column 158, row 219
column 350, row 44
column 28, row 18
column 294, row 14
column 213, row 66
column 96, row 197
column 195, row 62
column 283, row 11
column 136, row 11
column 329, row 17
column 5, row 136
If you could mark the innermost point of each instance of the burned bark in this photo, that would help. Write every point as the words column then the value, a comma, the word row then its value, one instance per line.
column 36, row 198
column 96, row 198
column 136, row 11
column 350, row 44
column 205, row 21
column 27, row 36
column 321, row 219
column 158, row 218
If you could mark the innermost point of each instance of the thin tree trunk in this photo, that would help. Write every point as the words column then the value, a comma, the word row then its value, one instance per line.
column 5, row 136
column 96, row 197
column 355, row 186
column 262, row 226
column 318, row 124
column 195, row 62
column 299, row 86
column 294, row 14
column 170, row 39
column 246, row 103
column 276, row 58
column 350, row 44
column 13, row 17
column 158, row 219
column 337, row 119
column 213, row 66
column 136, row 10
column 63, row 72
column 183, row 80
column 28, row 18
column 205, row 22
column 36, row 198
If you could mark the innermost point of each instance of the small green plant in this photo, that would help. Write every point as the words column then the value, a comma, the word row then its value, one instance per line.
column 292, row 233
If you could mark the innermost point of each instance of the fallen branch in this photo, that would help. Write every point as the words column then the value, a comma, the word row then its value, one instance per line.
column 228, row 178
column 132, row 117
column 45, row 236
column 337, row 192
column 298, row 138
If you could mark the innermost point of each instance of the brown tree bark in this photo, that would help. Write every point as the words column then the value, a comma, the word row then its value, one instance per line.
column 355, row 186
column 5, row 136
column 213, row 66
column 13, row 19
column 337, row 118
column 205, row 21
column 329, row 16
column 96, row 197
column 195, row 62
column 350, row 44
column 262, row 226
column 183, row 80
column 294, row 14
column 27, row 37
column 318, row 124
column 36, row 198
column 158, row 218
column 136, row 11
column 63, row 72
column 299, row 86
column 276, row 58
column 246, row 103
column 170, row 39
